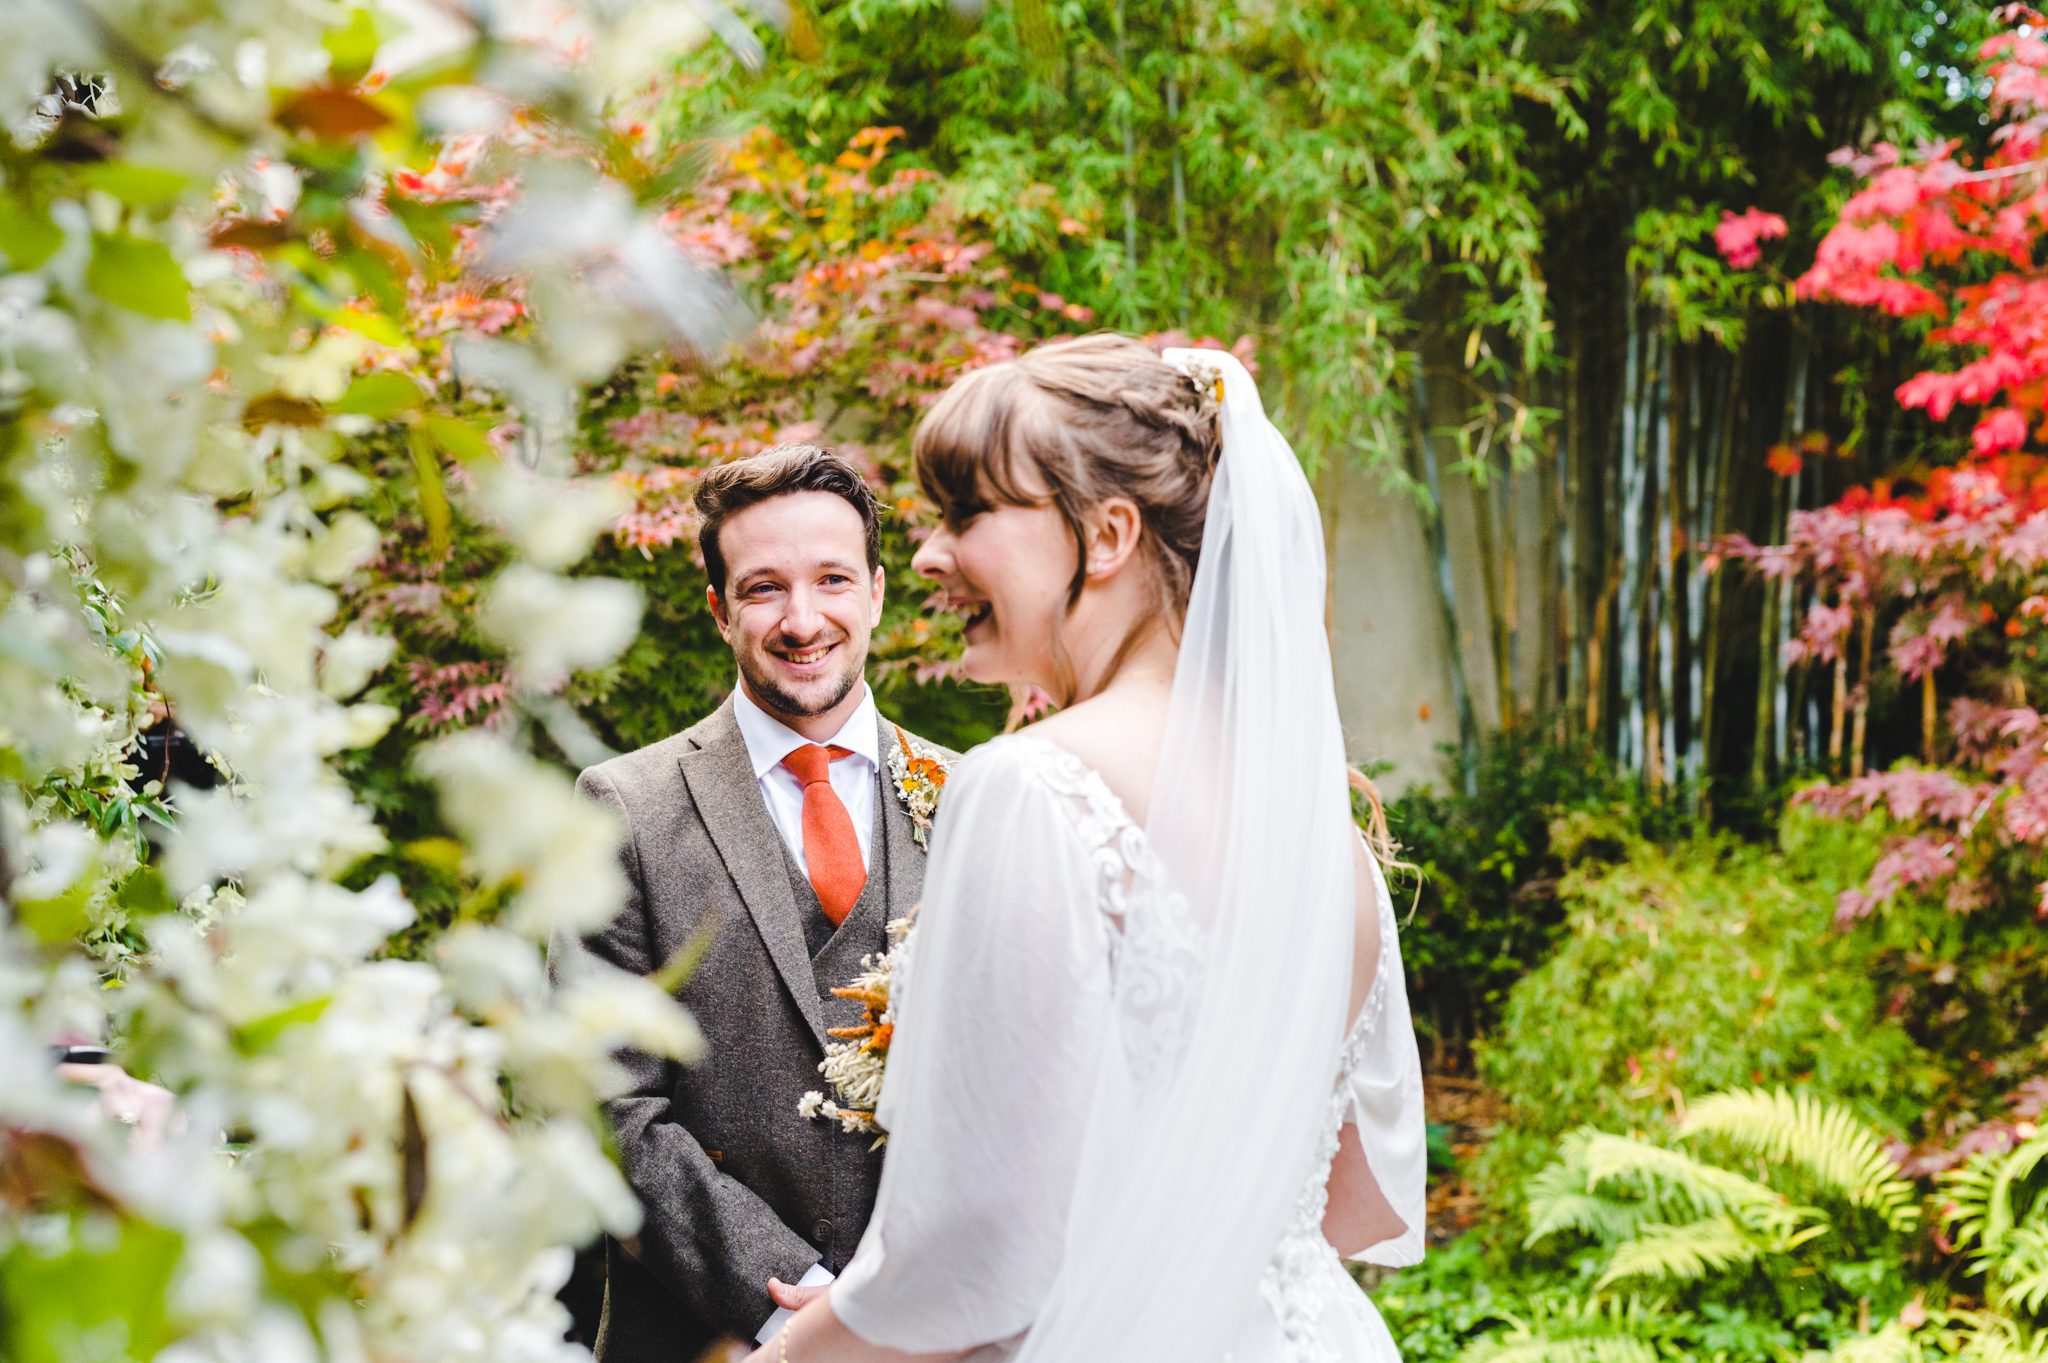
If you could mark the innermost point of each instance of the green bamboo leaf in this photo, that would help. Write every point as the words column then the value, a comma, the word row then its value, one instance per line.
column 140, row 275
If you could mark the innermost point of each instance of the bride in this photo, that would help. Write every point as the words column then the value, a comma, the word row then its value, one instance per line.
column 1153, row 1074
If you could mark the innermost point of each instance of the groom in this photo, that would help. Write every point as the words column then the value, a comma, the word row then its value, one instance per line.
column 773, row 828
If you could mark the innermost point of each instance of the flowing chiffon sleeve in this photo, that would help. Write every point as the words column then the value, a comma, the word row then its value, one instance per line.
column 1386, row 1100
column 1004, row 1016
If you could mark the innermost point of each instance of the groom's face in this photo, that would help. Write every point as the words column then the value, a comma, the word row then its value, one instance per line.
column 798, row 605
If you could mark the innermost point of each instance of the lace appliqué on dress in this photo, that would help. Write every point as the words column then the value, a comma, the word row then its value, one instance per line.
column 1288, row 1283
column 1155, row 946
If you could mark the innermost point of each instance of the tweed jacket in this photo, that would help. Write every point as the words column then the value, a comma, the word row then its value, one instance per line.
column 737, row 1187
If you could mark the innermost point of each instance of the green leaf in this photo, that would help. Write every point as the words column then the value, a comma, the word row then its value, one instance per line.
column 375, row 325
column 98, row 1291
column 28, row 238
column 137, row 186
column 57, row 920
column 140, row 275
column 260, row 1034
column 433, row 493
column 352, row 47
column 383, row 394
column 144, row 894
column 440, row 854
column 459, row 439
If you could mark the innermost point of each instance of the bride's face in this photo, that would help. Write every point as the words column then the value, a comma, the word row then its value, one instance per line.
column 1005, row 573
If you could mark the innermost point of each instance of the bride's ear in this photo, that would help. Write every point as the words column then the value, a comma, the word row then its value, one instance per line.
column 1114, row 528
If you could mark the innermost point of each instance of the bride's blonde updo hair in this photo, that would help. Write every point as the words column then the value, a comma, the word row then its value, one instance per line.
column 1071, row 424
column 1084, row 420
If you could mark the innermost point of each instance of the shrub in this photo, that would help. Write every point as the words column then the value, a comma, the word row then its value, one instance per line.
column 1769, row 1224
column 1702, row 967
column 1486, row 910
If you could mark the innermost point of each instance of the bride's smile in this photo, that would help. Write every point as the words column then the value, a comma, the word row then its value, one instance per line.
column 1005, row 573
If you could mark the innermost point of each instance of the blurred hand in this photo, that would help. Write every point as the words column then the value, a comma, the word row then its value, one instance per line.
column 147, row 1107
column 793, row 1298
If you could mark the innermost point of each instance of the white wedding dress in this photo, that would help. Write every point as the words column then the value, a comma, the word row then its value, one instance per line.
column 1073, row 970
column 1123, row 1056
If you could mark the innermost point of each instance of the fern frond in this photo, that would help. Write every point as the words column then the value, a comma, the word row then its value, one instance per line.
column 1889, row 1345
column 1538, row 1349
column 1558, row 1200
column 2021, row 1271
column 1893, row 1344
column 1981, row 1337
column 1685, row 1253
column 1824, row 1139
column 1708, row 1189
column 2007, row 1231
column 1573, row 1330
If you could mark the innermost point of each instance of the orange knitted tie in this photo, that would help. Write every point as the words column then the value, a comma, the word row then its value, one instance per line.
column 831, row 847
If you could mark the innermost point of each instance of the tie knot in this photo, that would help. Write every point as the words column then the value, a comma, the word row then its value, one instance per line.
column 812, row 762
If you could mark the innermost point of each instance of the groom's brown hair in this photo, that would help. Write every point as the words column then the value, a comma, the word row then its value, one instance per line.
column 727, row 489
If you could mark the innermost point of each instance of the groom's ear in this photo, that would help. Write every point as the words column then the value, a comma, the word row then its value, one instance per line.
column 717, row 613
column 1114, row 527
column 875, row 598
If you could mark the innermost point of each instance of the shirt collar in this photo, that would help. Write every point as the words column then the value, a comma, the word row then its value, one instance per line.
column 769, row 740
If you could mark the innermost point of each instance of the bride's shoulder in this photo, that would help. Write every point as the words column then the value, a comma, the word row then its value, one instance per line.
column 1033, row 767
column 1016, row 762
column 1118, row 742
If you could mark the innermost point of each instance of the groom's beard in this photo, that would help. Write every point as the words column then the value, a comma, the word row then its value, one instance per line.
column 773, row 698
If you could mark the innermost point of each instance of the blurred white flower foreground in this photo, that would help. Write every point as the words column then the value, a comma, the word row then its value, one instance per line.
column 381, row 1159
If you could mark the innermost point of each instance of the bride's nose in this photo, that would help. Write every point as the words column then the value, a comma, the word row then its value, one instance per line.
column 934, row 558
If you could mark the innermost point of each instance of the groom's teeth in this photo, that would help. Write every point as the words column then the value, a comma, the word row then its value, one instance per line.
column 808, row 656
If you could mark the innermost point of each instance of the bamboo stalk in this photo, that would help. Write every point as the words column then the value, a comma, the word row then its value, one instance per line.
column 1860, row 718
column 1838, row 704
column 1670, row 518
column 1570, row 581
column 1496, row 619
column 1628, row 638
column 1794, row 419
column 1130, row 141
column 1927, row 718
column 1180, row 192
column 1510, row 590
column 1423, row 452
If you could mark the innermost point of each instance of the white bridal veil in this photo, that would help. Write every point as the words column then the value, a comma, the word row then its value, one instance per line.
column 1184, row 1178
column 1173, row 1221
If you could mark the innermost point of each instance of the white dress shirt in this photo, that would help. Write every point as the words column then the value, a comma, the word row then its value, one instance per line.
column 769, row 740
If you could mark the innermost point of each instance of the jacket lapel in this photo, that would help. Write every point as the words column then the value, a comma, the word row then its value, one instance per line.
column 899, row 838
column 720, row 777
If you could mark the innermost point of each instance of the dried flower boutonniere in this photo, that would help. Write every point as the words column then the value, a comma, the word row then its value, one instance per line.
column 919, row 772
column 857, row 1057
